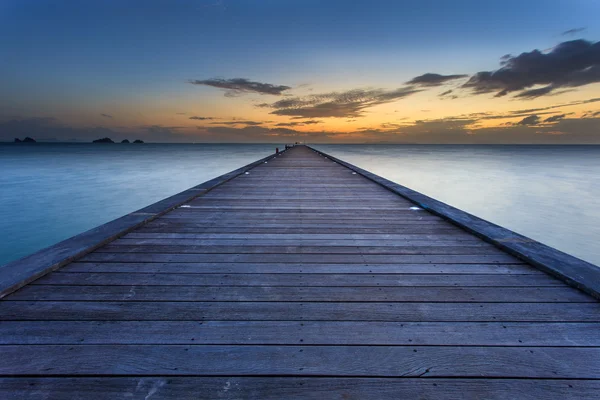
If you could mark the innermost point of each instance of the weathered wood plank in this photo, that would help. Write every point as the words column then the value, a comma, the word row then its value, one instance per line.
column 298, row 242
column 309, row 311
column 300, row 332
column 107, row 278
column 362, row 361
column 265, row 249
column 291, row 268
column 458, row 236
column 294, row 388
column 303, row 294
column 302, row 258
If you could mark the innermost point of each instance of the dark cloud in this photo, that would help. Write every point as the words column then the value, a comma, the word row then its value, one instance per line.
column 446, row 93
column 530, row 120
column 573, row 31
column 348, row 104
column 555, row 118
column 237, row 86
column 302, row 123
column 430, row 79
column 201, row 118
column 570, row 64
column 492, row 116
column 237, row 122
column 106, row 115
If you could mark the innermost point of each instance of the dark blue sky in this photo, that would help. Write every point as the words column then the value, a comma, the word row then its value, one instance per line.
column 72, row 61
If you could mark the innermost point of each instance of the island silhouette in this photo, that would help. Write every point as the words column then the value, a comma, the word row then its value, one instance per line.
column 109, row 140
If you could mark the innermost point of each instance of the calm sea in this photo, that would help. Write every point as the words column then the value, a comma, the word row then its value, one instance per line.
column 49, row 192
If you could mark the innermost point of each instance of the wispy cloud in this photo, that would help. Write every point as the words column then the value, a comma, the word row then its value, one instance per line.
column 348, row 104
column 237, row 122
column 106, row 115
column 432, row 80
column 201, row 118
column 236, row 86
column 573, row 31
column 299, row 123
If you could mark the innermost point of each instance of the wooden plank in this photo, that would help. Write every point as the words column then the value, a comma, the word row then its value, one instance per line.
column 275, row 268
column 301, row 258
column 297, row 242
column 395, row 280
column 309, row 311
column 294, row 388
column 303, row 236
column 266, row 249
column 303, row 294
column 361, row 361
column 181, row 228
column 300, row 332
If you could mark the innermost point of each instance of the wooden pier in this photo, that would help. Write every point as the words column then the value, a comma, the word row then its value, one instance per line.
column 299, row 277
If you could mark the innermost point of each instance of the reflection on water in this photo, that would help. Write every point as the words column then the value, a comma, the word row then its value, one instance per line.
column 549, row 193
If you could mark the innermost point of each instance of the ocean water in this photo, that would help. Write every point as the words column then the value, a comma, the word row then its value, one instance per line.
column 548, row 193
column 49, row 192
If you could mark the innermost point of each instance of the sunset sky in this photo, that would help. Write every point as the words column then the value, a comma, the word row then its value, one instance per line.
column 357, row 71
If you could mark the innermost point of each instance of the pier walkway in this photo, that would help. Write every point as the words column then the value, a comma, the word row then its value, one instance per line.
column 298, row 279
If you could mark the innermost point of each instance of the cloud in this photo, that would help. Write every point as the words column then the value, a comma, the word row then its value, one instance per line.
column 106, row 115
column 302, row 123
column 262, row 134
column 555, row 118
column 237, row 122
column 572, row 103
column 530, row 120
column 348, row 104
column 533, row 74
column 237, row 86
column 573, row 31
column 430, row 79
column 201, row 118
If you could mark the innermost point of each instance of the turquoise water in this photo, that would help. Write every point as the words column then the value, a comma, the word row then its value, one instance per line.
column 49, row 192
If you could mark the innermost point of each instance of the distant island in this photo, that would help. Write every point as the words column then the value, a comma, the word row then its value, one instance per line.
column 109, row 140
column 26, row 140
column 103, row 140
